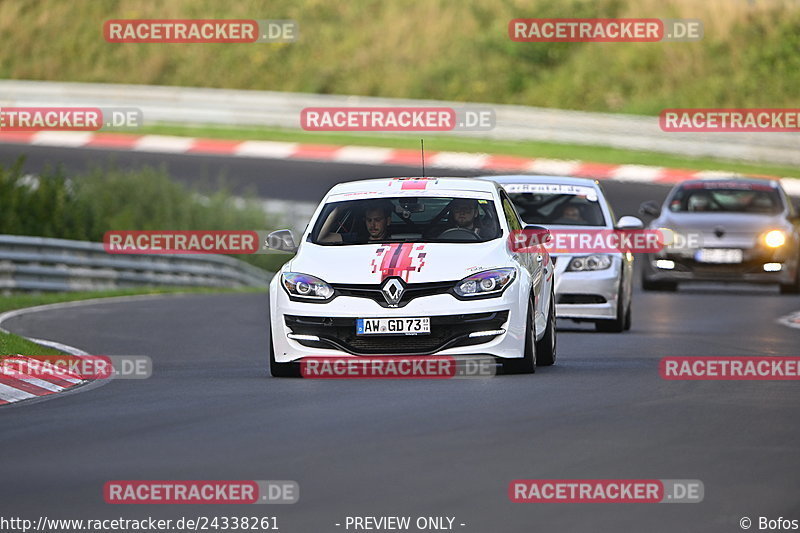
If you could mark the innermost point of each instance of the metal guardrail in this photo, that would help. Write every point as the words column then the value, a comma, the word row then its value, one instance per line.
column 183, row 105
column 44, row 264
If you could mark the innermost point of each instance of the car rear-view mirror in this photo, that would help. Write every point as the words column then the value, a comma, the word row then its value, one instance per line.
column 650, row 208
column 282, row 240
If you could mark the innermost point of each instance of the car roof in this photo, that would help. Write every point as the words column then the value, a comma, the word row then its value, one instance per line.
column 528, row 178
column 755, row 181
column 409, row 185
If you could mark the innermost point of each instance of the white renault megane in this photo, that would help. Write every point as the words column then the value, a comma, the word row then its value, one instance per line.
column 412, row 266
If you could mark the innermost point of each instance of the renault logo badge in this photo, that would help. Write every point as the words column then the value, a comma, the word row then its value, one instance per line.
column 393, row 291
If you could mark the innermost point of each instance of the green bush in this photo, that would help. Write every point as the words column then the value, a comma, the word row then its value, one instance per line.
column 85, row 207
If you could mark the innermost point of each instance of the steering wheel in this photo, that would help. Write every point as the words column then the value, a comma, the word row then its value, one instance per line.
column 461, row 234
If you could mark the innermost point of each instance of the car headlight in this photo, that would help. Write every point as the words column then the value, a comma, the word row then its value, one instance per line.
column 486, row 283
column 586, row 263
column 668, row 237
column 774, row 238
column 306, row 287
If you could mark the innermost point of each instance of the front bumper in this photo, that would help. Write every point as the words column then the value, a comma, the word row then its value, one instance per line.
column 587, row 295
column 447, row 331
column 750, row 270
column 452, row 321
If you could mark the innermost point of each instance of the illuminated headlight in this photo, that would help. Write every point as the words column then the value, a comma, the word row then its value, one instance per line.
column 775, row 238
column 668, row 237
column 589, row 262
column 486, row 283
column 305, row 286
column 665, row 264
column 772, row 267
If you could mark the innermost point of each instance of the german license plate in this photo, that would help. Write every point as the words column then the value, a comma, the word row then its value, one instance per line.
column 393, row 326
column 718, row 255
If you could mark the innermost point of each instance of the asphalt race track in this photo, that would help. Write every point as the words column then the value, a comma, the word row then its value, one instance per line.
column 306, row 181
column 417, row 447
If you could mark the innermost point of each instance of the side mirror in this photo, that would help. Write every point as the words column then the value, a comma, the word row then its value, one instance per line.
column 628, row 222
column 282, row 240
column 537, row 234
column 649, row 208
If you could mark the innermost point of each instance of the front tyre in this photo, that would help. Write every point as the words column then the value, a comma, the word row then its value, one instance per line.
column 649, row 285
column 794, row 287
column 628, row 316
column 546, row 347
column 281, row 370
column 527, row 364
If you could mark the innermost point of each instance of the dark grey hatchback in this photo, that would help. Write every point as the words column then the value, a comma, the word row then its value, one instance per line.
column 729, row 230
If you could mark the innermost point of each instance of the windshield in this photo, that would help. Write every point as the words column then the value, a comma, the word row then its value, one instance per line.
column 553, row 205
column 407, row 219
column 703, row 198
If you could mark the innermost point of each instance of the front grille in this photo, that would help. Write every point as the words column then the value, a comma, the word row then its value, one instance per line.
column 581, row 299
column 413, row 290
column 446, row 332
column 722, row 270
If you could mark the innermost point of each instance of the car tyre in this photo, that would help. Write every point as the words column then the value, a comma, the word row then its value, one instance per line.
column 527, row 364
column 281, row 370
column 546, row 348
column 792, row 288
column 666, row 286
column 628, row 316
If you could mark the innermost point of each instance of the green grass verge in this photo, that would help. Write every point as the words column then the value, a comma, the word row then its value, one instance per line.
column 11, row 344
column 441, row 143
column 14, row 344
column 436, row 49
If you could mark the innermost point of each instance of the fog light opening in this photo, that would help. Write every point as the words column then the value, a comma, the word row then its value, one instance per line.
column 773, row 267
column 665, row 264
column 487, row 333
column 297, row 337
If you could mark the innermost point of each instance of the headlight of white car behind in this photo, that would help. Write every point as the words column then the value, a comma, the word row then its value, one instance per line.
column 587, row 263
column 305, row 287
column 485, row 284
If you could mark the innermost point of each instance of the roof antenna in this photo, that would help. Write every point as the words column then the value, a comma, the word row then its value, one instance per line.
column 422, row 144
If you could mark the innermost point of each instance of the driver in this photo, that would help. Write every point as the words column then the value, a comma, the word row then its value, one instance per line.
column 571, row 214
column 700, row 202
column 464, row 215
column 378, row 216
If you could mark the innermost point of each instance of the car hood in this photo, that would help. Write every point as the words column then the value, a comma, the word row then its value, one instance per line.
column 555, row 229
column 742, row 223
column 413, row 262
column 722, row 229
